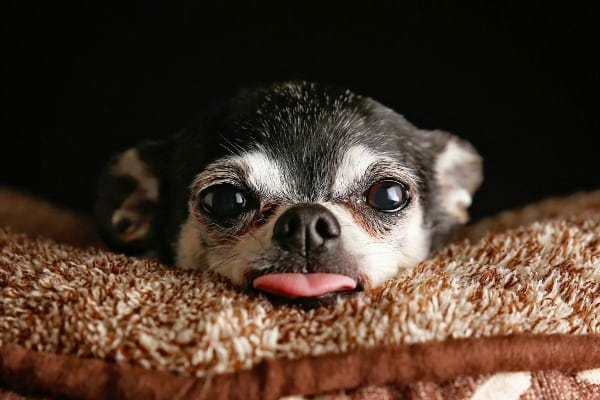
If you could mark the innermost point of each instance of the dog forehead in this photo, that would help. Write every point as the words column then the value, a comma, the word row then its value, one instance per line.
column 265, row 175
column 290, row 114
column 275, row 177
column 303, row 140
column 352, row 167
column 293, row 136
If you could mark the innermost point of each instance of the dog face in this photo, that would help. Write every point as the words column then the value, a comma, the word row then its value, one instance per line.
column 295, row 189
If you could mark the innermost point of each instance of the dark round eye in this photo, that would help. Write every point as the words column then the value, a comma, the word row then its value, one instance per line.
column 387, row 196
column 223, row 201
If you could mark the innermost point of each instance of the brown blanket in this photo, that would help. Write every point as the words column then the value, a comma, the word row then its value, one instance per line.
column 516, row 307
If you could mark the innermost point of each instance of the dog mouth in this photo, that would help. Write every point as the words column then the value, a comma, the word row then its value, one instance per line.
column 297, row 285
column 306, row 289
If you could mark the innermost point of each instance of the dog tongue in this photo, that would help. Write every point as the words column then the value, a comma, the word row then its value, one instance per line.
column 303, row 285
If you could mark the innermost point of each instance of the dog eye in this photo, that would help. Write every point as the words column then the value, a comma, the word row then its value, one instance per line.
column 387, row 196
column 223, row 201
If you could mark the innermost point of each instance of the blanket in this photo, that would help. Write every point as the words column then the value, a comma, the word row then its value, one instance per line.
column 511, row 309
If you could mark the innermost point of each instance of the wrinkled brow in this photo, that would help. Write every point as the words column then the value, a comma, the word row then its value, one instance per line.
column 226, row 170
column 361, row 165
column 253, row 169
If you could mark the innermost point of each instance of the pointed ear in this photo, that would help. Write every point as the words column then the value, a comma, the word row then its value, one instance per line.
column 128, row 197
column 458, row 174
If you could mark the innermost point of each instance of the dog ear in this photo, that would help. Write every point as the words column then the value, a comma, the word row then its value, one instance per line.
column 452, row 164
column 455, row 172
column 458, row 174
column 129, row 205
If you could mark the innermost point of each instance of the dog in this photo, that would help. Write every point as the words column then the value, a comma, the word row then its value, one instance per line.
column 298, row 190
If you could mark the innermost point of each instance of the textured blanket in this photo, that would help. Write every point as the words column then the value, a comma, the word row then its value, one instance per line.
column 512, row 310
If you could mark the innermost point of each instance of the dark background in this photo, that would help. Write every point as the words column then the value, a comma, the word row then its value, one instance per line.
column 84, row 80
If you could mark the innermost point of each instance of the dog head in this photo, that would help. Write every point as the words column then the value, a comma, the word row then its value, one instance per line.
column 298, row 190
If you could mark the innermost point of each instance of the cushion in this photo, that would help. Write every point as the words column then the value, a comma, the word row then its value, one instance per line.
column 514, row 305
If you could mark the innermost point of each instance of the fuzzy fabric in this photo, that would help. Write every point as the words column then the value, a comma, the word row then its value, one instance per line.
column 522, row 293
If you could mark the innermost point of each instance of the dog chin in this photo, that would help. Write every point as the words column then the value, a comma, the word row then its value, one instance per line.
column 309, row 302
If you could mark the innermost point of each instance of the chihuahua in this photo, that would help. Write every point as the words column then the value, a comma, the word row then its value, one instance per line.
column 296, row 190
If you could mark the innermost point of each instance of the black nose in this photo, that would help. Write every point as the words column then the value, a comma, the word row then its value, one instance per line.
column 306, row 229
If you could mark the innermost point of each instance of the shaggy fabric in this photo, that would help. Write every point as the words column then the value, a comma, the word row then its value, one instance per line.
column 517, row 299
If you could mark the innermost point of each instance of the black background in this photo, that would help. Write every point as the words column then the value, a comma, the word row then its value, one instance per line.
column 84, row 80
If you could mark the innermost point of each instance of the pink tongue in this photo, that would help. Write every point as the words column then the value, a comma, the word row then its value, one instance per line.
column 304, row 285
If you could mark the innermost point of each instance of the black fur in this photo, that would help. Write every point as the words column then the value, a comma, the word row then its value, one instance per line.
column 307, row 127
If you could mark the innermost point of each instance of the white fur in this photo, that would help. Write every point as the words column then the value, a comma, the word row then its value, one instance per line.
column 265, row 174
column 456, row 198
column 383, row 258
column 352, row 168
column 379, row 259
column 261, row 173
column 232, row 261
column 130, row 164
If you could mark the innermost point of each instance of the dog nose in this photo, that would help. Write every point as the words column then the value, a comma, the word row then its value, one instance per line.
column 306, row 229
